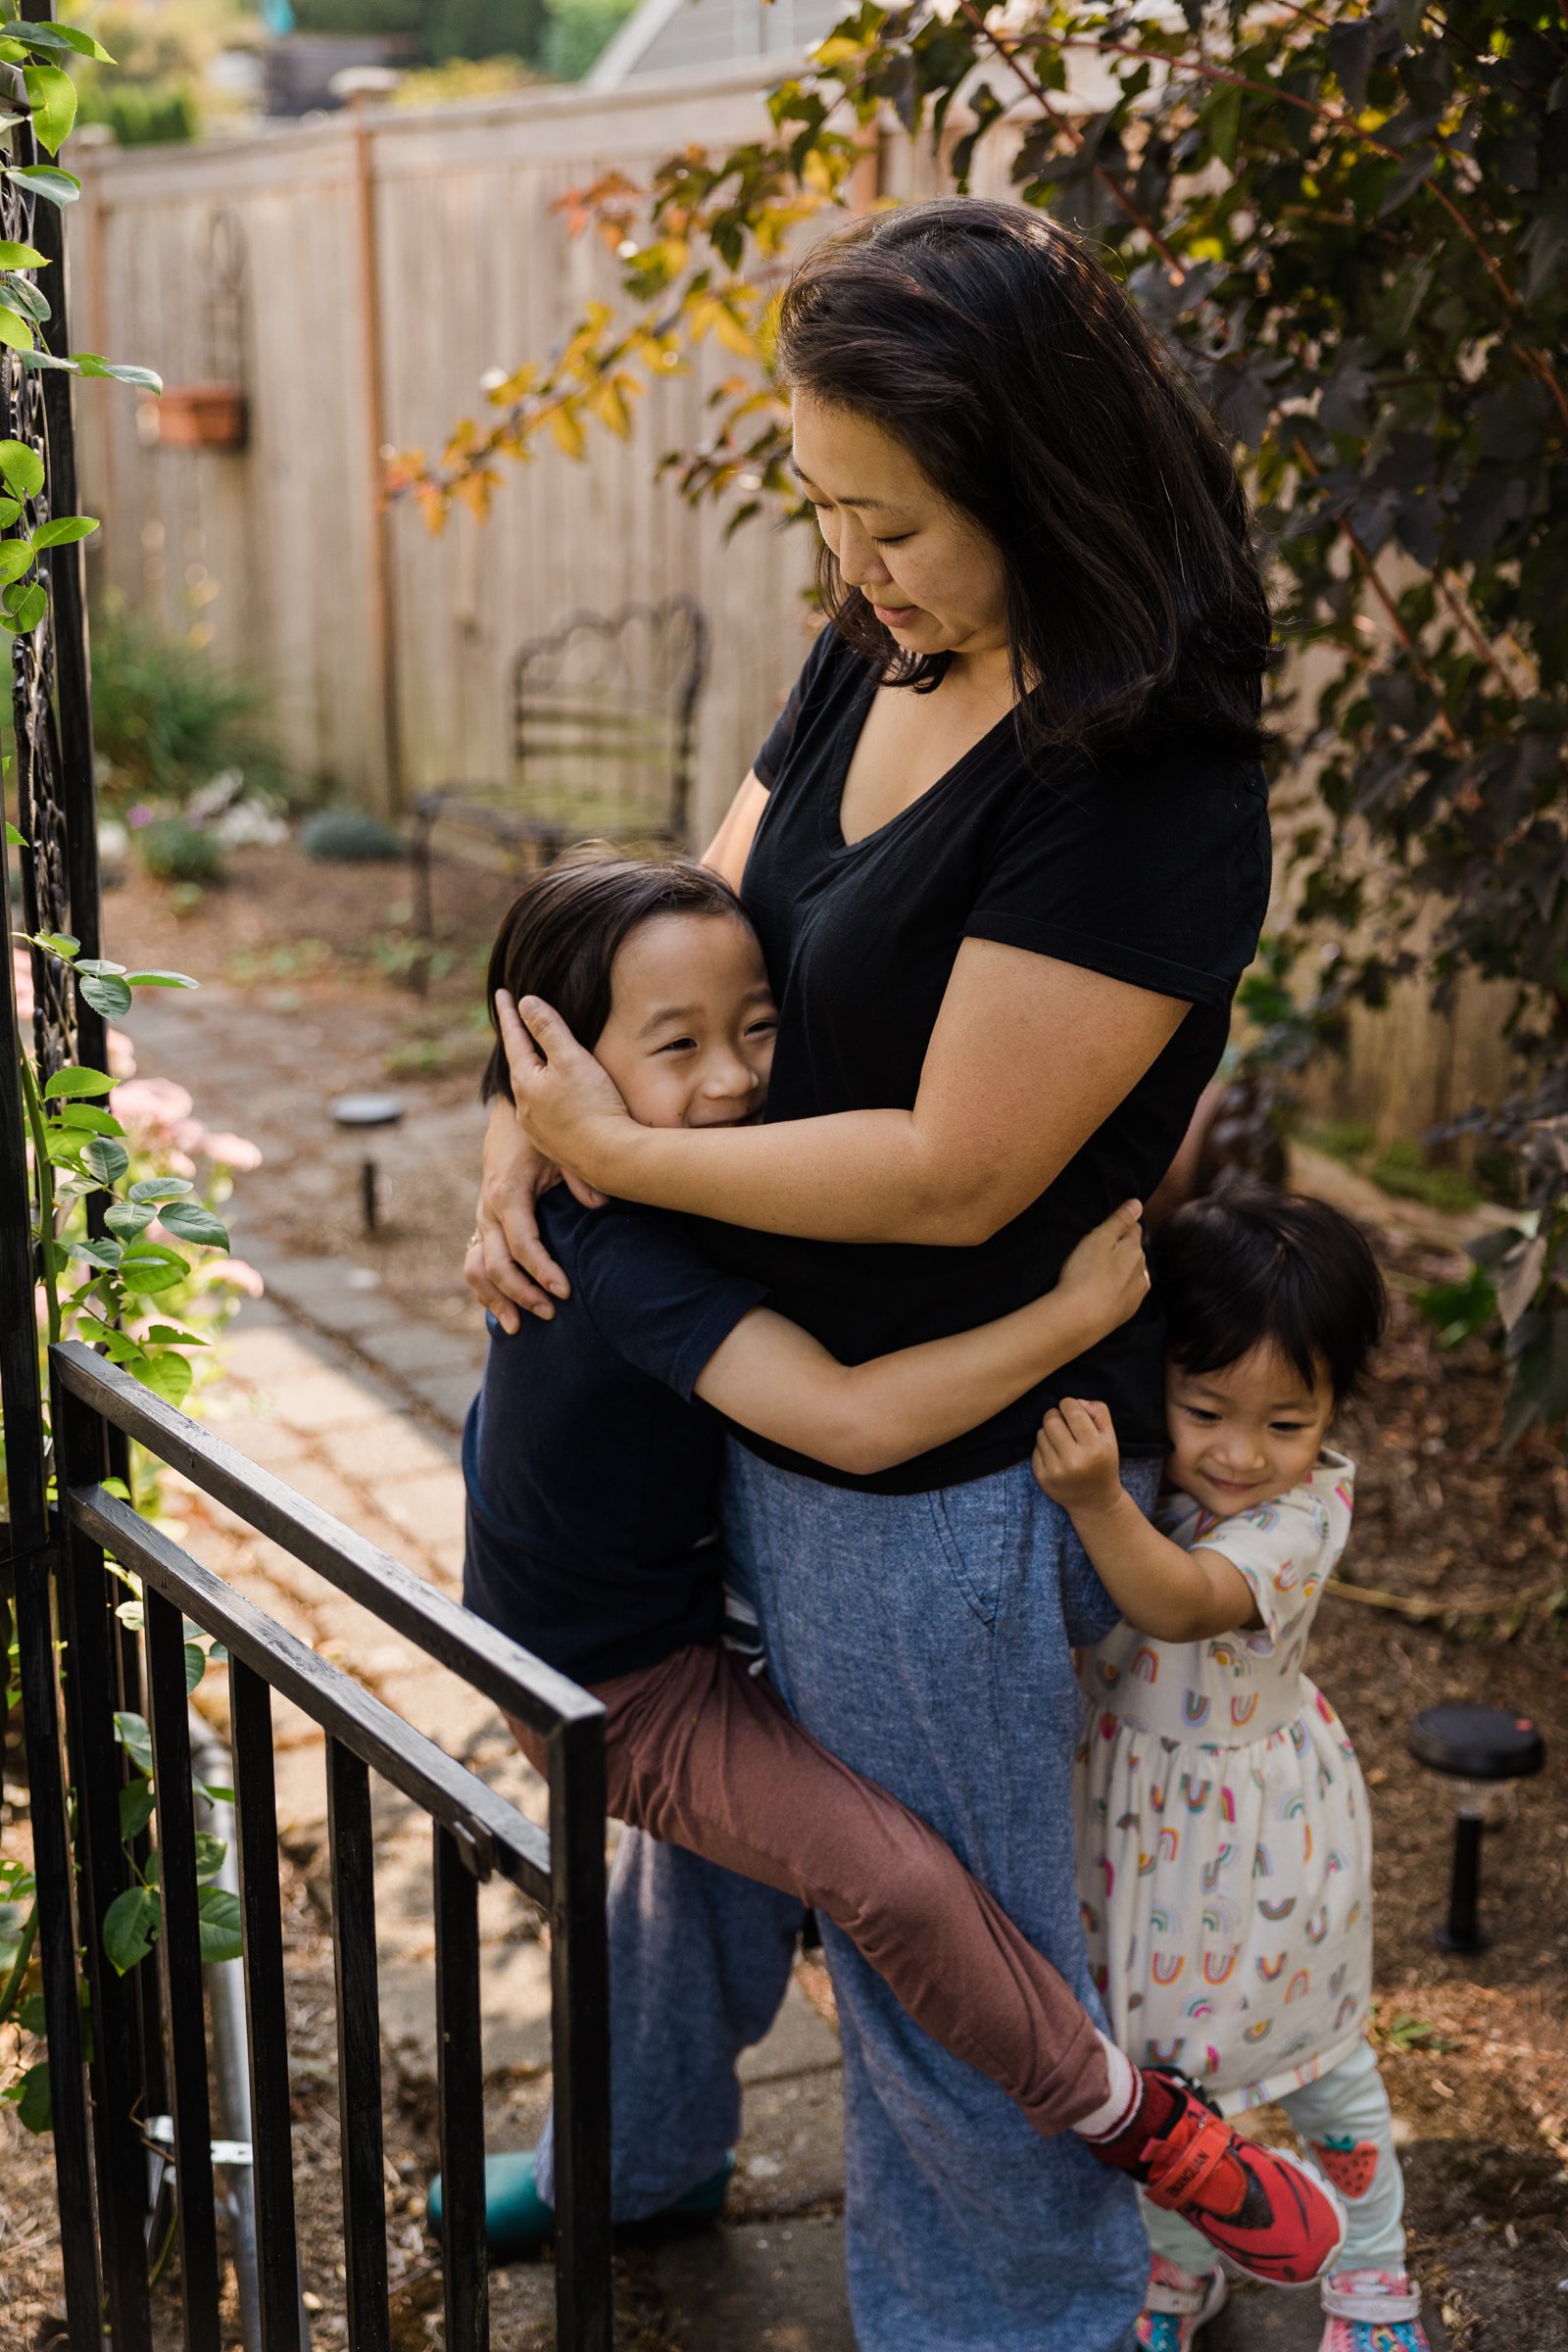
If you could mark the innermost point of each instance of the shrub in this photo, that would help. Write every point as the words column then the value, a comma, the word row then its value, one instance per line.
column 576, row 32
column 352, row 834
column 174, row 852
column 168, row 718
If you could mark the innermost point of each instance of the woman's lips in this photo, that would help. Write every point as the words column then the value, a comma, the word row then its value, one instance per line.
column 890, row 616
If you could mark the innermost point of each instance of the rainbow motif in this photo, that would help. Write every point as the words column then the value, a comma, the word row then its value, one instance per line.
column 1145, row 1865
column 1244, row 1706
column 1194, row 1705
column 1157, row 2054
column 1306, row 1841
column 1197, row 1798
column 1158, row 1920
column 1270, row 1969
column 1156, row 1795
column 1168, row 1844
column 1263, row 1867
column 1129, row 1821
column 1223, row 1653
column 1198, row 2008
column 1293, row 1806
column 1167, row 1967
column 1346, row 2011
column 1298, row 1985
column 1212, row 1868
column 1298, row 1738
column 1146, row 1666
column 1227, row 1806
column 1286, row 1575
column 1317, row 1926
column 1337, row 1861
column 1109, row 1868
column 1090, row 1917
column 1260, row 2030
column 1212, row 2060
column 1354, row 1918
column 1218, row 1967
column 1108, row 1673
column 1277, row 1911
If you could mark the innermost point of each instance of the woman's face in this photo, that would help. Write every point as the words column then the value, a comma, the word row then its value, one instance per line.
column 930, row 573
column 689, row 1041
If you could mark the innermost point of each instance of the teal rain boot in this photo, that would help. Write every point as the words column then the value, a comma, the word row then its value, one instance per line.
column 518, row 2222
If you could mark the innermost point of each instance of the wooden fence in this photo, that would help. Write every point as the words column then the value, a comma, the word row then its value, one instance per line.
column 362, row 273
column 359, row 275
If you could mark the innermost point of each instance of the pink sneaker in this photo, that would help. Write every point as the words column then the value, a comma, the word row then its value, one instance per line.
column 1372, row 2311
column 1178, row 2303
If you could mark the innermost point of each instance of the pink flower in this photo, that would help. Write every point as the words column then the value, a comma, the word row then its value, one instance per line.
column 237, row 1274
column 232, row 1152
column 155, row 1106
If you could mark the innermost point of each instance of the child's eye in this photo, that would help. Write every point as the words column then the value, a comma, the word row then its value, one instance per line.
column 1201, row 1412
column 764, row 1028
column 1287, row 1429
column 679, row 1045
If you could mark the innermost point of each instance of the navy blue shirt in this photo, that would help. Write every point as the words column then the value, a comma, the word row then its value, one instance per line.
column 592, row 1471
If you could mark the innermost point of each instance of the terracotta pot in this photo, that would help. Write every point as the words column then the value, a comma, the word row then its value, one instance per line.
column 199, row 416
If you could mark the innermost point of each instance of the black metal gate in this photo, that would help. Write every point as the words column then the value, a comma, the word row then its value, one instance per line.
column 148, row 2052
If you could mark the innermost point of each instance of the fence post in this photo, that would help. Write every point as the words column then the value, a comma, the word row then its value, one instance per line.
column 579, row 1990
column 98, row 1777
column 33, row 1558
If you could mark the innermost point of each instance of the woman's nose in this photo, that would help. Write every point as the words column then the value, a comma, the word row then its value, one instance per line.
column 858, row 558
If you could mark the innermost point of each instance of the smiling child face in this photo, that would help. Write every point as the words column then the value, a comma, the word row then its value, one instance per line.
column 1246, row 1433
column 689, row 1041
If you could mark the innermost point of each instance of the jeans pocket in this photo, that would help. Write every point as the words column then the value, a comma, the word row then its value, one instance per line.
column 977, row 1527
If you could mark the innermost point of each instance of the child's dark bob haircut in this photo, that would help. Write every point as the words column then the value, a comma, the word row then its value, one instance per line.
column 567, row 925
column 1247, row 1266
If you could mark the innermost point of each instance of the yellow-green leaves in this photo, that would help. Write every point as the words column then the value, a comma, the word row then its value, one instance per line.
column 20, row 256
column 21, row 468
column 53, row 94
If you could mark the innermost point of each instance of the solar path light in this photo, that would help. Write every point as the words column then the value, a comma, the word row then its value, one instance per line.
column 360, row 1114
column 1478, row 1748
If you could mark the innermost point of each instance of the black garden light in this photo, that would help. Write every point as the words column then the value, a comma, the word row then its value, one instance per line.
column 361, row 1113
column 1478, row 1747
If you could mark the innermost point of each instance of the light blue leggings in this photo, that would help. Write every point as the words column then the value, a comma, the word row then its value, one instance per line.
column 1347, row 2108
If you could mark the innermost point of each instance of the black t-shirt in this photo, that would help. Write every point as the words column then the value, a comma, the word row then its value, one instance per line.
column 1151, row 868
column 592, row 1471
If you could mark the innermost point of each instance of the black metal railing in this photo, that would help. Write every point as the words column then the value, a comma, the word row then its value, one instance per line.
column 474, row 1831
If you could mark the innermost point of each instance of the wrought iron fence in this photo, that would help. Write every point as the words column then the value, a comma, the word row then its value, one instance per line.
column 474, row 1833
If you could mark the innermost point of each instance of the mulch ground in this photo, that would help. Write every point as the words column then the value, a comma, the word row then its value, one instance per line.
column 1461, row 1547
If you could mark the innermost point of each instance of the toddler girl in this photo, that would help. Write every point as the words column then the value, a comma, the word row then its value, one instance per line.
column 592, row 1459
column 1224, row 1836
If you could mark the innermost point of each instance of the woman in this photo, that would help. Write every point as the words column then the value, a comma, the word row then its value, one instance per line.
column 1006, row 851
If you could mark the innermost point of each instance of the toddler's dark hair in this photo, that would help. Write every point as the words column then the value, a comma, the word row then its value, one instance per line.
column 1247, row 1266
column 567, row 925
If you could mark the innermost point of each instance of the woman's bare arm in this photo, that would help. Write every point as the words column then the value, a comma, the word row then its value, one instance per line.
column 1028, row 1057
column 731, row 845
column 508, row 1266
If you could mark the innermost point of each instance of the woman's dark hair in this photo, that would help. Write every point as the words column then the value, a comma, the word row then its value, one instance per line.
column 1244, row 1268
column 567, row 925
column 1028, row 390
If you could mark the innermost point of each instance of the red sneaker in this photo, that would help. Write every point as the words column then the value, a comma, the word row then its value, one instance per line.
column 1264, row 2209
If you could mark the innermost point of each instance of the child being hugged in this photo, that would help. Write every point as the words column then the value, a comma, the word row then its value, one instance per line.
column 592, row 1459
column 1224, row 1834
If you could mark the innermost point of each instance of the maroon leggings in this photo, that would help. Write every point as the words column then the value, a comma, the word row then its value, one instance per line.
column 706, row 1755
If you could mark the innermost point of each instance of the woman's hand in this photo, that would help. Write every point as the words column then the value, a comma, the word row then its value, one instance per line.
column 1107, row 1278
column 1077, row 1459
column 569, row 1108
column 508, row 1266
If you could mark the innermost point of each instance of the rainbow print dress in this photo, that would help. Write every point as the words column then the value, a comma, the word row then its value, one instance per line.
column 1224, row 1834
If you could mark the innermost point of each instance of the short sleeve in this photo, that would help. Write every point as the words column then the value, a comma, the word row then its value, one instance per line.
column 781, row 734
column 655, row 1295
column 1285, row 1551
column 1159, row 876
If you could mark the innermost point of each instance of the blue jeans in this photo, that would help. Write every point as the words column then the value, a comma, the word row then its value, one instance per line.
column 924, row 1639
